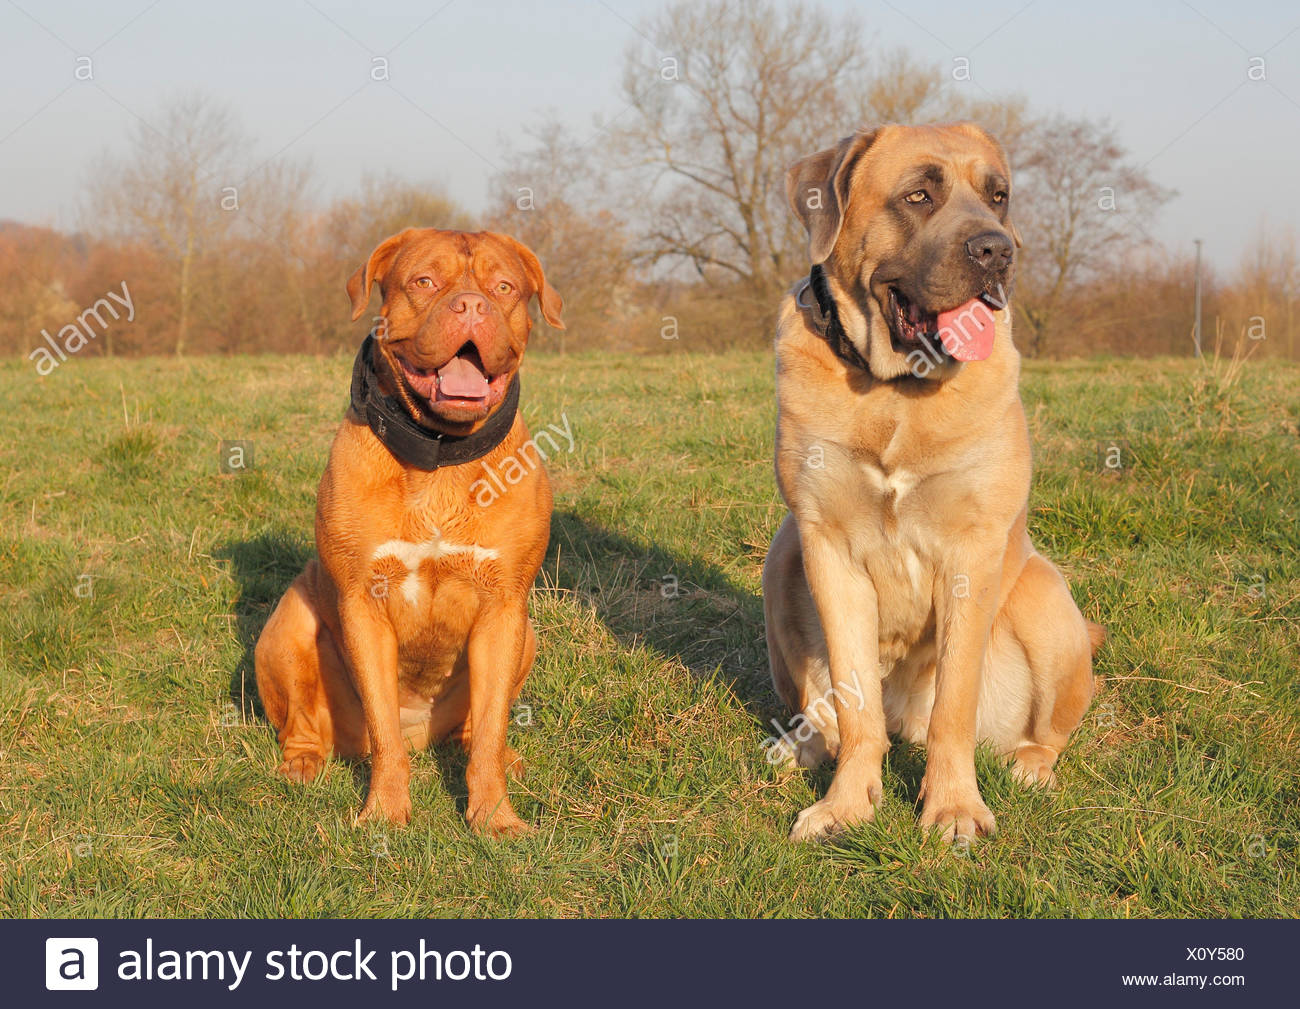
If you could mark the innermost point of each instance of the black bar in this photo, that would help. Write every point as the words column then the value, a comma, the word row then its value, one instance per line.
column 666, row 963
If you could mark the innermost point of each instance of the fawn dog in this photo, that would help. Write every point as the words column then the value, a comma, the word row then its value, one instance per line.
column 902, row 594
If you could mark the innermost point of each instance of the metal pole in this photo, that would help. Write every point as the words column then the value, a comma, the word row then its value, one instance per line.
column 1196, row 329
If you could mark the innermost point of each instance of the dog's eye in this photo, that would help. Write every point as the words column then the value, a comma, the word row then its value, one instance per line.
column 505, row 287
column 1000, row 197
column 918, row 197
column 423, row 281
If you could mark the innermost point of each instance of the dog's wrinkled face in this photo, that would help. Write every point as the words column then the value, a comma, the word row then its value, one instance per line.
column 911, row 225
column 454, row 319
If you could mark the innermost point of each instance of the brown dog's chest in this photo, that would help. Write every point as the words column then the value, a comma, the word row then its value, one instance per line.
column 430, row 556
column 432, row 579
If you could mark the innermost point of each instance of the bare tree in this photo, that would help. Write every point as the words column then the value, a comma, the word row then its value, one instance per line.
column 1080, row 205
column 551, row 197
column 901, row 90
column 261, row 287
column 169, row 189
column 385, row 205
column 731, row 95
column 1266, row 289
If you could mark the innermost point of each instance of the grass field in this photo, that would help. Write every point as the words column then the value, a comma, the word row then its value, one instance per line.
column 137, row 778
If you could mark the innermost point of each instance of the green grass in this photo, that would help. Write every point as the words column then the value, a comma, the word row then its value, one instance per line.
column 137, row 778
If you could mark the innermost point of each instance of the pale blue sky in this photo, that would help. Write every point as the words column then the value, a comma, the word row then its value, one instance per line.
column 465, row 74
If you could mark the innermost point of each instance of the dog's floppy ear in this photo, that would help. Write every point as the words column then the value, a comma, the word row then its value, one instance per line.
column 547, row 297
column 817, row 188
column 377, row 265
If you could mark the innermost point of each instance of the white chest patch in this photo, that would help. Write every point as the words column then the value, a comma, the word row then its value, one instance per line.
column 901, row 482
column 412, row 555
column 894, row 485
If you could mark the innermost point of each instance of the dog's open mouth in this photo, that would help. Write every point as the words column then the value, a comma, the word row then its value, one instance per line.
column 463, row 381
column 964, row 333
column 909, row 323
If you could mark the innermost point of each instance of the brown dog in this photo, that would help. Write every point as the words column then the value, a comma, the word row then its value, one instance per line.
column 902, row 594
column 412, row 626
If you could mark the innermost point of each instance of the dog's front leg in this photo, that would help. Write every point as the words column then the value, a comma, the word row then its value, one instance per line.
column 965, row 604
column 370, row 647
column 847, row 606
column 496, row 649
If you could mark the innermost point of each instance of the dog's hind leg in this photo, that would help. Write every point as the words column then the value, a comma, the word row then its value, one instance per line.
column 305, row 690
column 1058, row 645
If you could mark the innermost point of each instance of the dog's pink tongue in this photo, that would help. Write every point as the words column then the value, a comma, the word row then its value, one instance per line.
column 459, row 379
column 967, row 331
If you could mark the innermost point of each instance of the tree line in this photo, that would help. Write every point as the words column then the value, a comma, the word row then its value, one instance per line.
column 664, row 226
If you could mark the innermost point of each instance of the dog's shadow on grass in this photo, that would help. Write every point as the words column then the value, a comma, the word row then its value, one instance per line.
column 692, row 612
column 263, row 568
column 681, row 607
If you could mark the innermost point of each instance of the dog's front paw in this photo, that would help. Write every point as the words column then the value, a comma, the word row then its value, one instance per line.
column 302, row 768
column 1033, row 766
column 390, row 806
column 830, row 816
column 496, row 821
column 958, row 816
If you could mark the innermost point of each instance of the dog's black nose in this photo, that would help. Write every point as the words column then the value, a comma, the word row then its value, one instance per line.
column 990, row 249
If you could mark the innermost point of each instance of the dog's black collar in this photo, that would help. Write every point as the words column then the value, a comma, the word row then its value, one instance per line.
column 412, row 443
column 826, row 319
